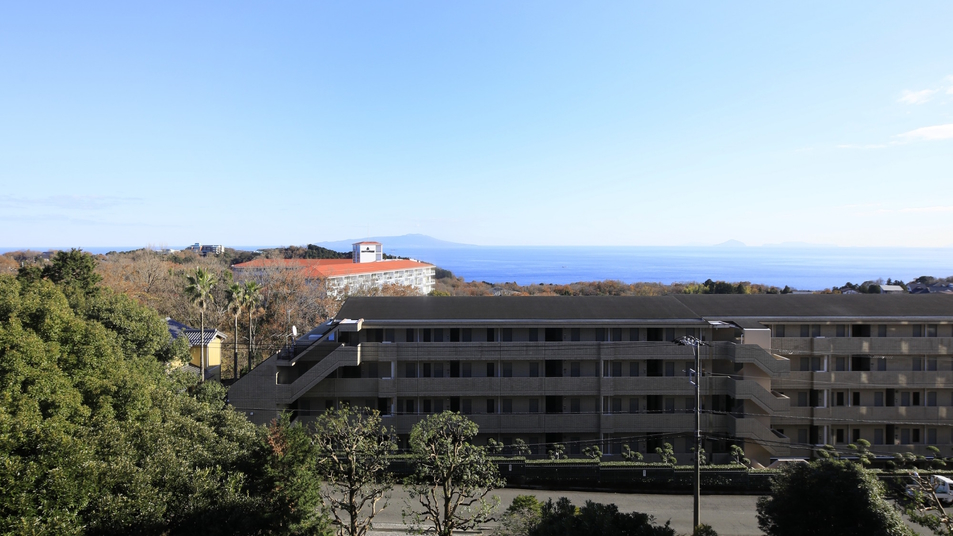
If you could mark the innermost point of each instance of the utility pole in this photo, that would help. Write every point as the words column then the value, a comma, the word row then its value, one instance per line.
column 695, row 343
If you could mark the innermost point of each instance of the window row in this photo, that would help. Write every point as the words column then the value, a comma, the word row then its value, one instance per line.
column 866, row 363
column 394, row 335
column 861, row 330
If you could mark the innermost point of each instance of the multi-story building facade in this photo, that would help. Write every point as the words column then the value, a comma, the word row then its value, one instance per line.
column 366, row 269
column 781, row 374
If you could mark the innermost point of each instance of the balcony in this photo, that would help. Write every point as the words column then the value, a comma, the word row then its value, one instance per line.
column 863, row 345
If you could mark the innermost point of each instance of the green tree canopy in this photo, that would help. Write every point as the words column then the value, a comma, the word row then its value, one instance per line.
column 452, row 476
column 828, row 497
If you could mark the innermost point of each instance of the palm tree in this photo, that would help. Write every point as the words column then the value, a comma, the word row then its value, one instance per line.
column 199, row 291
column 252, row 297
column 236, row 302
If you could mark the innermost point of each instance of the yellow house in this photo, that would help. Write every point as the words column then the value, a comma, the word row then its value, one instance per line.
column 212, row 340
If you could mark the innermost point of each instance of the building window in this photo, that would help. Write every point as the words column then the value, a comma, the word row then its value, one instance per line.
column 491, row 405
column 633, row 405
column 409, row 404
column 490, row 335
column 805, row 330
column 575, row 369
column 931, row 363
column 467, row 334
column 534, row 405
column 426, row 406
column 633, row 368
column 931, row 436
column 856, row 401
column 425, row 335
column 506, row 335
column 574, row 335
column 600, row 334
column 427, row 370
column 855, row 435
column 931, row 330
column 533, row 335
column 438, row 335
column 839, row 398
column 617, row 334
column 534, row 370
column 467, row 406
column 507, row 369
column 410, row 370
column 917, row 330
column 779, row 330
column 917, row 364
column 840, row 330
column 634, row 334
column 575, row 405
column 931, row 398
column 491, row 370
column 467, row 371
column 882, row 330
column 454, row 334
column 840, row 363
column 507, row 404
column 669, row 368
column 839, row 435
column 878, row 436
column 878, row 398
column 616, row 405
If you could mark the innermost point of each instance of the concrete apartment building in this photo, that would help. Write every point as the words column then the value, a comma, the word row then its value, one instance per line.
column 366, row 269
column 782, row 373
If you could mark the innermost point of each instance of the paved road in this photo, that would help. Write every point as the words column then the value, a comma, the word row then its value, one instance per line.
column 727, row 514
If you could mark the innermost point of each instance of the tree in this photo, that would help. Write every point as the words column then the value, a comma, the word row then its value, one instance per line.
column 520, row 517
column 556, row 451
column 841, row 498
column 75, row 270
column 452, row 477
column 251, row 297
column 562, row 518
column 630, row 455
column 353, row 449
column 236, row 303
column 292, row 481
column 667, row 454
column 593, row 452
column 199, row 290
column 862, row 448
column 520, row 448
column 738, row 456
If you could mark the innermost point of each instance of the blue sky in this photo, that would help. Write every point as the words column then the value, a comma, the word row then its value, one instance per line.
column 496, row 123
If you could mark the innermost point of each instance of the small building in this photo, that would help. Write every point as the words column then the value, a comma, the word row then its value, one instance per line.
column 366, row 269
column 212, row 340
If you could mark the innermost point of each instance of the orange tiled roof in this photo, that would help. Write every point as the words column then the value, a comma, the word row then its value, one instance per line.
column 334, row 267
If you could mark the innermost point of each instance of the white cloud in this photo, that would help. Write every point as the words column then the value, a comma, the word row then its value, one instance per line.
column 936, row 132
column 947, row 208
column 916, row 97
column 861, row 146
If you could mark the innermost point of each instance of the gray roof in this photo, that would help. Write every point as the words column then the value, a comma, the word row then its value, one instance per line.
column 177, row 329
column 645, row 309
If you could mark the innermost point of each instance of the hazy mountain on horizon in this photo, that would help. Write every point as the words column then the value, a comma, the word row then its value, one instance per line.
column 391, row 242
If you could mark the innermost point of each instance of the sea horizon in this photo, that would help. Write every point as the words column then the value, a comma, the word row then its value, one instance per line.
column 802, row 268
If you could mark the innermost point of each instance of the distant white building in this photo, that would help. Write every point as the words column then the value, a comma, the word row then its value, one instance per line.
column 214, row 249
column 367, row 269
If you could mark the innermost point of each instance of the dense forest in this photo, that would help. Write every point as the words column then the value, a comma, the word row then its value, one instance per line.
column 98, row 435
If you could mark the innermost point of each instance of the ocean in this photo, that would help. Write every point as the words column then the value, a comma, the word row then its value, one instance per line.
column 803, row 268
column 800, row 268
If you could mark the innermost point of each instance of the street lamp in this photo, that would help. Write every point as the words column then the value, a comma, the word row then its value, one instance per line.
column 688, row 340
